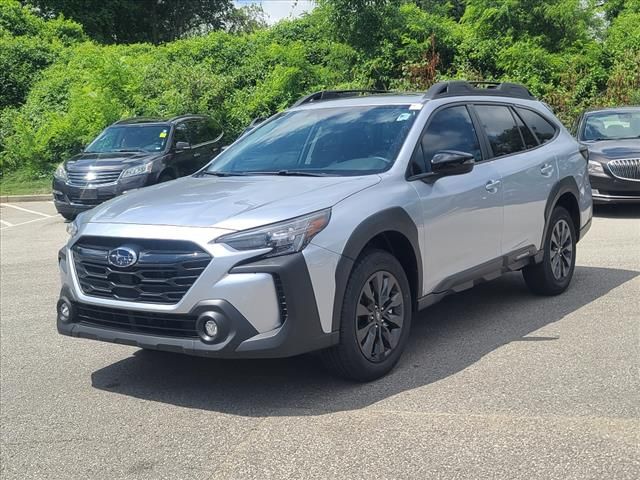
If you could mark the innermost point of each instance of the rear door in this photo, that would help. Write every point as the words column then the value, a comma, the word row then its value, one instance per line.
column 527, row 167
column 462, row 213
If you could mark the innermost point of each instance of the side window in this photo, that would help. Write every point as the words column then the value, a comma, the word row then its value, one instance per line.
column 212, row 130
column 529, row 140
column 181, row 134
column 196, row 131
column 450, row 129
column 542, row 128
column 502, row 131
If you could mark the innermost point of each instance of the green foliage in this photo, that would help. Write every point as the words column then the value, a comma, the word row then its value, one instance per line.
column 59, row 90
column 131, row 21
column 28, row 44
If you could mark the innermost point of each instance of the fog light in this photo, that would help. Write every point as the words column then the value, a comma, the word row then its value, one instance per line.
column 64, row 311
column 211, row 328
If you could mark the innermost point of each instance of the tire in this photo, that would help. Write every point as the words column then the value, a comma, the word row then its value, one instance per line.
column 553, row 275
column 166, row 177
column 68, row 216
column 371, row 344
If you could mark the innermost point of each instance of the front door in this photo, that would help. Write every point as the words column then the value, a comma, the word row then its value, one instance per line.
column 463, row 214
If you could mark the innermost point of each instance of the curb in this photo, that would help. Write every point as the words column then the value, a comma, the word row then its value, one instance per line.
column 26, row 198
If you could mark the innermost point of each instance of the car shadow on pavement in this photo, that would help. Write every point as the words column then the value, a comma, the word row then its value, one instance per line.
column 446, row 338
column 616, row 211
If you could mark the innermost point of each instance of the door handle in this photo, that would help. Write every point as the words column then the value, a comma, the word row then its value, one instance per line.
column 196, row 155
column 492, row 186
column 546, row 170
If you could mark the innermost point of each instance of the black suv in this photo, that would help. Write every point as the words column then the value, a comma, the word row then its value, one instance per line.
column 131, row 154
column 612, row 137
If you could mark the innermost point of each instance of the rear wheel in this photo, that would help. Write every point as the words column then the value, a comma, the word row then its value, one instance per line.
column 166, row 177
column 553, row 275
column 375, row 319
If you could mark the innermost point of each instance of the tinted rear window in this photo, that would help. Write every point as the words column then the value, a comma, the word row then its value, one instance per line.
column 500, row 127
column 542, row 128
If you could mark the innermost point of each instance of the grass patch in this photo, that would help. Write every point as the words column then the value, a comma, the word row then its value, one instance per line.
column 16, row 184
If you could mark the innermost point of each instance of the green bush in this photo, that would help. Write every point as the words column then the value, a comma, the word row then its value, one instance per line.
column 58, row 90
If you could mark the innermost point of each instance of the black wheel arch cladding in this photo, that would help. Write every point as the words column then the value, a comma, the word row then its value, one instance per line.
column 392, row 220
column 564, row 186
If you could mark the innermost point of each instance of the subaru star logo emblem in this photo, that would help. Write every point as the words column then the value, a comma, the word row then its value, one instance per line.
column 123, row 257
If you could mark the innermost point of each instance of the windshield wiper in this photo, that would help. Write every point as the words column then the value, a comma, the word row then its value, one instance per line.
column 223, row 174
column 129, row 150
column 292, row 173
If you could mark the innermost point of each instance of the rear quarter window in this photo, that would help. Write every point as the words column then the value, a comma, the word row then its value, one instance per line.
column 540, row 126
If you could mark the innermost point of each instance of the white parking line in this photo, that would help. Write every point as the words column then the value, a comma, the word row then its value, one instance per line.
column 9, row 225
column 27, row 210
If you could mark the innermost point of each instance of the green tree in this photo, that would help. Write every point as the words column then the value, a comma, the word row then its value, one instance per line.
column 131, row 21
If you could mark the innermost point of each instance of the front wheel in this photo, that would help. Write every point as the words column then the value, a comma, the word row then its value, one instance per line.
column 375, row 319
column 553, row 275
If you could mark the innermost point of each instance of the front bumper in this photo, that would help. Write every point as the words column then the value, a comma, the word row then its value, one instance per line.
column 72, row 199
column 607, row 189
column 298, row 330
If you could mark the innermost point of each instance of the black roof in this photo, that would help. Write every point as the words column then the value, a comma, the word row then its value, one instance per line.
column 455, row 88
column 452, row 88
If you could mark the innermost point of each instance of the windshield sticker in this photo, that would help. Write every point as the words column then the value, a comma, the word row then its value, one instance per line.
column 163, row 134
column 415, row 106
column 403, row 116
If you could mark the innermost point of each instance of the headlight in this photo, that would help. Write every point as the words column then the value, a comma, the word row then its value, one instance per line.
column 60, row 172
column 595, row 168
column 283, row 238
column 139, row 170
column 72, row 228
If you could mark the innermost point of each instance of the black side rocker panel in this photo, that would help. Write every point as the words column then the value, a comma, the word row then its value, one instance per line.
column 482, row 273
column 393, row 219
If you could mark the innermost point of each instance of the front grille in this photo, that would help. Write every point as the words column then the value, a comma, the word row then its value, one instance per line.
column 151, row 323
column 93, row 177
column 164, row 272
column 82, row 198
column 626, row 169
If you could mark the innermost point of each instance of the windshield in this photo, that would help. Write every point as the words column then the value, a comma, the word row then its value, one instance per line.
column 131, row 138
column 322, row 141
column 624, row 124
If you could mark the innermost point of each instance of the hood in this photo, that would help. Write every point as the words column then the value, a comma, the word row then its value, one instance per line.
column 233, row 203
column 612, row 149
column 86, row 160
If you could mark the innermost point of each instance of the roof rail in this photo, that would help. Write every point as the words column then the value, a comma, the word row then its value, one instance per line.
column 456, row 88
column 333, row 94
column 138, row 120
column 186, row 115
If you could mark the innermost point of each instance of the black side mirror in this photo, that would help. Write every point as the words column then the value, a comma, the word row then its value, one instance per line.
column 183, row 146
column 452, row 162
column 444, row 163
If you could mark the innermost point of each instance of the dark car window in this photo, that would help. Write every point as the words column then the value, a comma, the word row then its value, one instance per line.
column 529, row 140
column 451, row 129
column 181, row 134
column 325, row 141
column 130, row 138
column 205, row 130
column 542, row 128
column 501, row 129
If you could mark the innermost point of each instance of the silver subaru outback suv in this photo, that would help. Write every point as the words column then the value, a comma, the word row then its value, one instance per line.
column 328, row 226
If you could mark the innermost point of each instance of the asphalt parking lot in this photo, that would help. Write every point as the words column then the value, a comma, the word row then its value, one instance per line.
column 496, row 383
